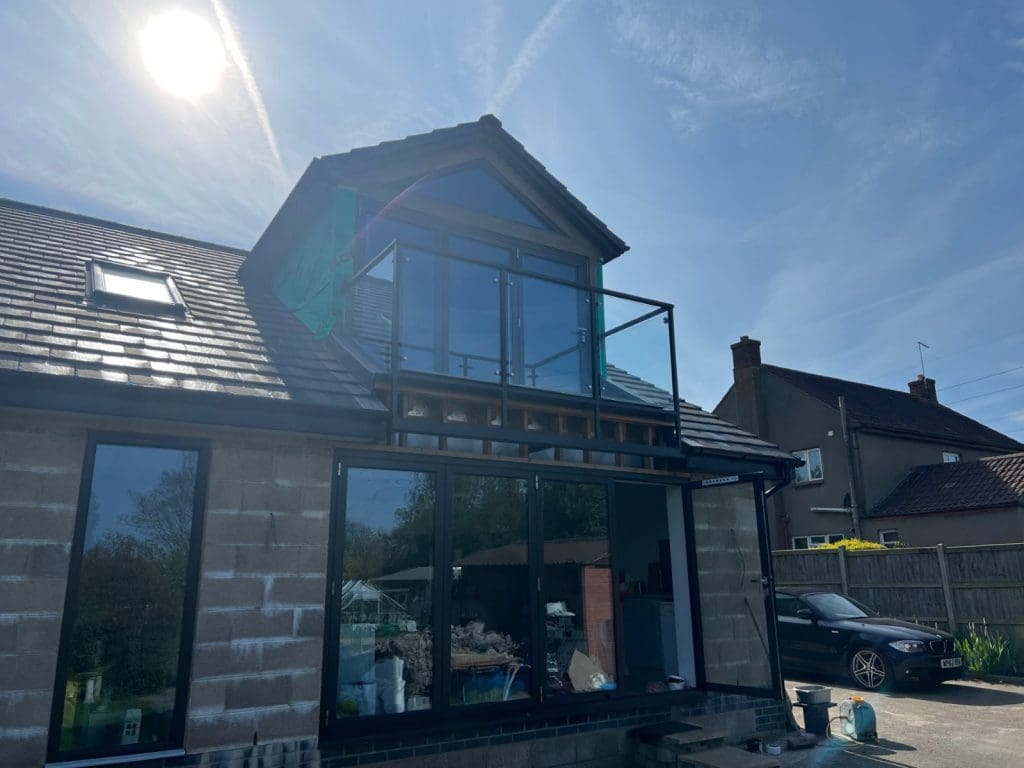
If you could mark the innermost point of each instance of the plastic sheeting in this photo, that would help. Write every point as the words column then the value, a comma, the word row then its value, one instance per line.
column 311, row 282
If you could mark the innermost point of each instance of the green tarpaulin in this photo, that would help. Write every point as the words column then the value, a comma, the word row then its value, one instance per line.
column 310, row 282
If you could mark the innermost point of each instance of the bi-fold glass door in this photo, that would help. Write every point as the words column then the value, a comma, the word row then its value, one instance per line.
column 454, row 587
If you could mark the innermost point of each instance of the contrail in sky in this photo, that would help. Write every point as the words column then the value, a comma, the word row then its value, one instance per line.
column 532, row 49
column 234, row 47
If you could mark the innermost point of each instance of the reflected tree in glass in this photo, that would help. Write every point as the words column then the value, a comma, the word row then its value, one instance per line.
column 580, row 631
column 385, row 639
column 490, row 593
column 122, row 658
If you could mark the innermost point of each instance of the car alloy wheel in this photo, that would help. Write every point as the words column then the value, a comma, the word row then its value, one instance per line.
column 869, row 669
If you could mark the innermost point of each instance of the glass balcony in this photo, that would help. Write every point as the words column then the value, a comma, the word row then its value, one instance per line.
column 463, row 316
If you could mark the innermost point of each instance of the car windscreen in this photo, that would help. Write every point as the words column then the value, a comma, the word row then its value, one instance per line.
column 835, row 607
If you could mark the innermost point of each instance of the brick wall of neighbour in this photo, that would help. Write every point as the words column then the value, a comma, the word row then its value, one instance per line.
column 40, row 466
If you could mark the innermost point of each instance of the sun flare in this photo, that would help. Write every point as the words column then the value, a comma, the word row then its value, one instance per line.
column 183, row 53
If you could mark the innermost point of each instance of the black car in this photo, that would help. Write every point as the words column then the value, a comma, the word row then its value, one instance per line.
column 831, row 634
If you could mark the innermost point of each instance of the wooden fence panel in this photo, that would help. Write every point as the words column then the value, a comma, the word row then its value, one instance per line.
column 1001, row 563
column 807, row 567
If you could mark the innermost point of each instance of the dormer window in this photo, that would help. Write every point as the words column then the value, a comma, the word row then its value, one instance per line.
column 132, row 288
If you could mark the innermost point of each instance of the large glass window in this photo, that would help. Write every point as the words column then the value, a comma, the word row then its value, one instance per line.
column 121, row 680
column 385, row 646
column 477, row 189
column 490, row 592
column 551, row 336
column 578, row 597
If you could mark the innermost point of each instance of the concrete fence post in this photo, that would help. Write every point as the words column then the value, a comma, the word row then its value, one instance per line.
column 843, row 578
column 947, row 588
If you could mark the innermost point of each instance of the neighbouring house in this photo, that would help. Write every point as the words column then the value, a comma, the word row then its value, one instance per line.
column 964, row 502
column 857, row 442
column 403, row 482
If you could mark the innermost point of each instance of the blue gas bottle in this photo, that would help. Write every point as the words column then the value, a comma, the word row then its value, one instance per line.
column 858, row 719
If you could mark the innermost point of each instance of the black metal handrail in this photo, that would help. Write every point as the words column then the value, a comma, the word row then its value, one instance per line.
column 595, row 338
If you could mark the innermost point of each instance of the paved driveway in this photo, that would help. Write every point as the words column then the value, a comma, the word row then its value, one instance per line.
column 956, row 725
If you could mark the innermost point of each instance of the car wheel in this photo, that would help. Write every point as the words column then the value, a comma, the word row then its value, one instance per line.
column 870, row 670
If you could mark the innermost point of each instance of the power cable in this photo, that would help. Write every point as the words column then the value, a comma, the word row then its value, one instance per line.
column 985, row 394
column 982, row 378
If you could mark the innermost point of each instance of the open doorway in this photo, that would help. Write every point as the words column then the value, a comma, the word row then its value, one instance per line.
column 654, row 592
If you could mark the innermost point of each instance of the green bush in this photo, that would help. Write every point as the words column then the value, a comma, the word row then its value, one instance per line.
column 852, row 545
column 986, row 652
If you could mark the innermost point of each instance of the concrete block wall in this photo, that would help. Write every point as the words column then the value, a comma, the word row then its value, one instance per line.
column 258, row 646
column 40, row 470
column 733, row 624
column 259, row 633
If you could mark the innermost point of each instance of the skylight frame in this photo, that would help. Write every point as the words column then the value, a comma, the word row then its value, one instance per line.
column 99, row 290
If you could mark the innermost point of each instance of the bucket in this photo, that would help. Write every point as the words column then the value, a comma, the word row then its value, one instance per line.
column 814, row 694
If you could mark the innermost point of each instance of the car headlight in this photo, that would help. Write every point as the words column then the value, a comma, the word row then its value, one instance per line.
column 908, row 646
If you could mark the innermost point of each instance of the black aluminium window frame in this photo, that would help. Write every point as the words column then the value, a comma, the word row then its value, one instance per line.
column 94, row 438
column 446, row 468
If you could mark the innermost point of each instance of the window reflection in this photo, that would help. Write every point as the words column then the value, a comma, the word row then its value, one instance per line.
column 124, row 648
column 579, row 627
column 385, row 639
column 490, row 606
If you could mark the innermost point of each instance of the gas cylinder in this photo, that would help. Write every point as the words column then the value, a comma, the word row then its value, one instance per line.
column 858, row 719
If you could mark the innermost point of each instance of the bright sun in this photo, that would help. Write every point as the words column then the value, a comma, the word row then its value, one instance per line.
column 183, row 53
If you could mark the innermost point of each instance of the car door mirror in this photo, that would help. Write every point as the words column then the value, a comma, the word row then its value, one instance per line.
column 805, row 613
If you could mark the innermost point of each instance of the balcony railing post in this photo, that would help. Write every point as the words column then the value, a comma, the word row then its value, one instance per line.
column 595, row 357
column 504, row 364
column 675, row 376
column 396, row 315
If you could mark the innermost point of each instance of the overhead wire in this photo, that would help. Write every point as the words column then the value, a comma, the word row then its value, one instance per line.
column 985, row 394
column 982, row 378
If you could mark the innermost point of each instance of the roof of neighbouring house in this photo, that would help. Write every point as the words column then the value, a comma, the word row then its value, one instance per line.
column 894, row 411
column 238, row 346
column 586, row 551
column 997, row 481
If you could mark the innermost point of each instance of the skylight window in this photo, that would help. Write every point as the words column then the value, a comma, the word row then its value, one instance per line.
column 133, row 287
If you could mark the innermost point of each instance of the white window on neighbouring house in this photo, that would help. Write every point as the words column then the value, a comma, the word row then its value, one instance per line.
column 948, row 457
column 890, row 538
column 810, row 542
column 812, row 469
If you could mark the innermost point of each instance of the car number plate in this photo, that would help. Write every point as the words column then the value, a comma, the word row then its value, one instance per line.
column 950, row 663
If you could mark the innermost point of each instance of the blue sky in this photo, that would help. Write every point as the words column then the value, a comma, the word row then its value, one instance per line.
column 837, row 180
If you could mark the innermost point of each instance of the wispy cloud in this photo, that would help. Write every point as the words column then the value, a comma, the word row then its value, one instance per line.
column 479, row 58
column 708, row 58
column 238, row 58
column 532, row 49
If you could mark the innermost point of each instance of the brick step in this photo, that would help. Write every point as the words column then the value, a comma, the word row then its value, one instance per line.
column 663, row 745
column 726, row 757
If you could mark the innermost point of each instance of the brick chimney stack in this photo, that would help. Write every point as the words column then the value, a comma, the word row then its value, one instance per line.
column 746, row 364
column 746, row 353
column 923, row 388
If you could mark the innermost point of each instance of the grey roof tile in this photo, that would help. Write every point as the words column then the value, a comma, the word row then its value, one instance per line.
column 230, row 341
column 698, row 428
